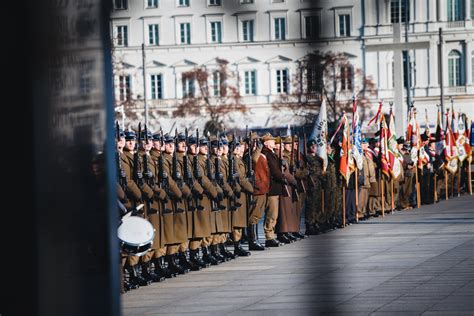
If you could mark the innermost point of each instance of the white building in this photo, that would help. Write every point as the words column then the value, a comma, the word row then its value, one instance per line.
column 264, row 39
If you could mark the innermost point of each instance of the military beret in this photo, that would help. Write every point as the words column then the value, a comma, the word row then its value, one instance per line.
column 310, row 142
column 267, row 136
column 142, row 135
column 167, row 138
column 156, row 137
column 424, row 137
column 203, row 141
column 365, row 140
column 121, row 133
column 192, row 140
column 224, row 141
column 181, row 137
column 130, row 135
column 400, row 140
column 287, row 139
column 215, row 143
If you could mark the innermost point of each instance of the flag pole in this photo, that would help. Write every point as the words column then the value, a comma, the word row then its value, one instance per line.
column 418, row 197
column 435, row 193
column 459, row 181
column 357, row 195
column 383, row 196
column 446, row 187
column 391, row 191
column 469, row 176
column 343, row 206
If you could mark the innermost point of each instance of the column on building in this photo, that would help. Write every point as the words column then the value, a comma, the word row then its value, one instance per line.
column 442, row 10
column 468, row 54
column 383, row 6
column 432, row 64
column 432, row 9
column 369, row 9
column 467, row 9
column 420, row 10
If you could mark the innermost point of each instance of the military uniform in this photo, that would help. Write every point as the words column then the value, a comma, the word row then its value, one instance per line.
column 313, row 211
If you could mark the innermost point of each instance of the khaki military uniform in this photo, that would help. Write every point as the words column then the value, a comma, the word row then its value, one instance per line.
column 313, row 211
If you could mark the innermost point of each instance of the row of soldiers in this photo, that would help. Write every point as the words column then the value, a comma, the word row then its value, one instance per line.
column 199, row 193
column 202, row 193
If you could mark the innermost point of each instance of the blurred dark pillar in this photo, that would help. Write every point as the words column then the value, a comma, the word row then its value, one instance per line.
column 62, row 254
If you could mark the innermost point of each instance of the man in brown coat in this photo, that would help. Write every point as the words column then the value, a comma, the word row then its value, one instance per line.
column 262, row 186
column 277, row 181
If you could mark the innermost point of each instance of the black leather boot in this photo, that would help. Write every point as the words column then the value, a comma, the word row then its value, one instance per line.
column 291, row 237
column 239, row 251
column 273, row 243
column 136, row 278
column 188, row 264
column 253, row 242
column 208, row 257
column 194, row 258
column 174, row 266
column 215, row 251
column 161, row 270
column 148, row 274
column 299, row 235
column 283, row 239
column 224, row 252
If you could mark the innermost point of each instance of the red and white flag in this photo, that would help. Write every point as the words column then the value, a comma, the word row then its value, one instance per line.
column 346, row 155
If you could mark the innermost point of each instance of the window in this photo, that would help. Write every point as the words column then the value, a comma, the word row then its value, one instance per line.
column 472, row 64
column 153, row 37
column 312, row 26
column 346, row 78
column 215, row 2
column 156, row 87
column 278, row 1
column 216, row 32
column 124, row 88
column 216, row 83
column 314, row 81
column 86, row 79
column 398, row 10
column 455, row 10
column 185, row 33
column 122, row 35
column 247, row 30
column 282, row 80
column 121, row 4
column 152, row 3
column 472, row 9
column 183, row 3
column 454, row 68
column 344, row 25
column 188, row 87
column 250, row 82
column 246, row 1
column 280, row 29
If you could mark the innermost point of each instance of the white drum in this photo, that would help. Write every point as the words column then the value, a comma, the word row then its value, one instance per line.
column 136, row 235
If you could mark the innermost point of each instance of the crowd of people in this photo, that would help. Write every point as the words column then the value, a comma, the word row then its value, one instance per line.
column 204, row 196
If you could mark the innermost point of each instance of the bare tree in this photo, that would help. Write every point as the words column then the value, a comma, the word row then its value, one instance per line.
column 330, row 75
column 217, row 95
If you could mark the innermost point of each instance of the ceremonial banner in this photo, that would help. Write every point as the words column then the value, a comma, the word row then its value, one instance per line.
column 451, row 150
column 462, row 142
column 384, row 157
column 392, row 146
column 319, row 133
column 344, row 166
column 413, row 136
column 439, row 135
column 357, row 142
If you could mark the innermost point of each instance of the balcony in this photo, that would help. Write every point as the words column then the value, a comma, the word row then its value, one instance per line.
column 457, row 89
column 455, row 24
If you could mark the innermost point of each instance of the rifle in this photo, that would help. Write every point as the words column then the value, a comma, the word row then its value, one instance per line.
column 137, row 174
column 296, row 196
column 311, row 182
column 188, row 178
column 250, row 173
column 162, row 175
column 286, row 192
column 149, row 178
column 210, row 175
column 299, row 166
column 233, row 178
column 121, row 173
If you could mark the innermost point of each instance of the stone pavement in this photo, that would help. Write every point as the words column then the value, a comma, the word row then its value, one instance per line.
column 417, row 262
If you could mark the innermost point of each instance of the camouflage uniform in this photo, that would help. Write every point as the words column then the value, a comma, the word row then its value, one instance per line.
column 333, row 193
column 313, row 210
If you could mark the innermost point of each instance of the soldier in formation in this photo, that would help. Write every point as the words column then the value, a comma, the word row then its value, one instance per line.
column 203, row 193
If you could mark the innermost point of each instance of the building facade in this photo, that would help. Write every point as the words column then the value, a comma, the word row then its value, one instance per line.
column 264, row 41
